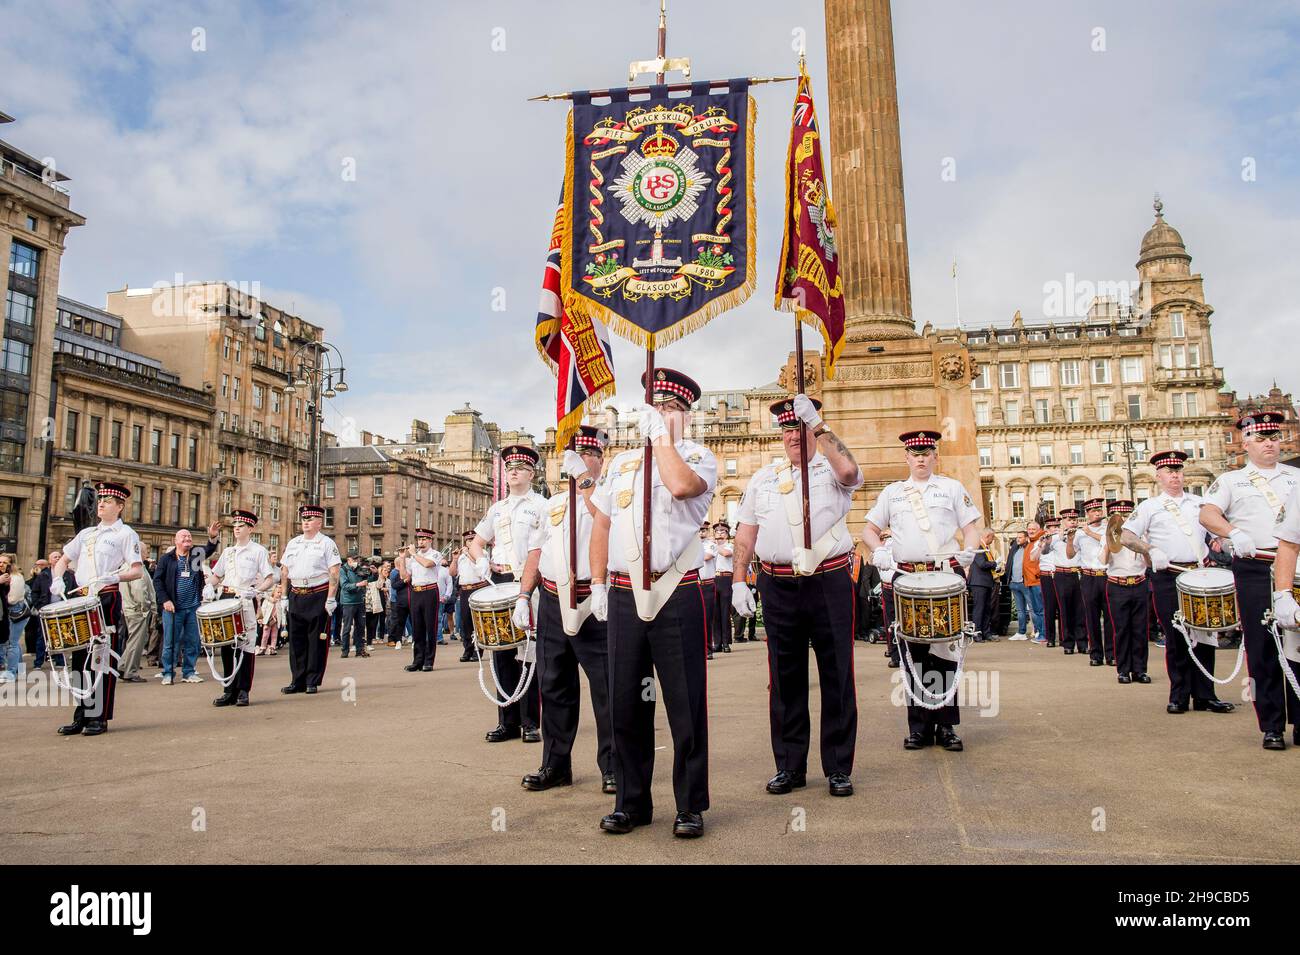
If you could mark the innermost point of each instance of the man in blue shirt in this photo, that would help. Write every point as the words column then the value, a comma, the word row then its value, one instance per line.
column 178, row 582
column 1016, row 565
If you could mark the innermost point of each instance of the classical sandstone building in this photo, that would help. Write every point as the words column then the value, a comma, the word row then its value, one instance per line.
column 1275, row 400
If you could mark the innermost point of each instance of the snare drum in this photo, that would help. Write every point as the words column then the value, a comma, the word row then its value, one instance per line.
column 930, row 606
column 70, row 625
column 221, row 623
column 1291, row 638
column 1207, row 601
column 491, row 609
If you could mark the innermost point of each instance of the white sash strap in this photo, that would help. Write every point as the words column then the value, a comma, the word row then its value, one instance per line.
column 506, row 536
column 1266, row 489
column 1198, row 545
column 650, row 602
column 794, row 520
column 922, row 517
column 571, row 618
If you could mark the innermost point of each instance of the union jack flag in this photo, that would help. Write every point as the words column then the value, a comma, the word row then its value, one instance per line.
column 575, row 347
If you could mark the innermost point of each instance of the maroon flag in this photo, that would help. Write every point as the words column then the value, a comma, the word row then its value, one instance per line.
column 808, row 279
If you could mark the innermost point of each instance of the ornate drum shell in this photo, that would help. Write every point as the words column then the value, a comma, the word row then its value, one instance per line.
column 221, row 622
column 490, row 608
column 70, row 625
column 1207, row 598
column 930, row 606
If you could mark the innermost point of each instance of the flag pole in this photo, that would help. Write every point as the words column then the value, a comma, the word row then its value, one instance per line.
column 573, row 534
column 803, row 440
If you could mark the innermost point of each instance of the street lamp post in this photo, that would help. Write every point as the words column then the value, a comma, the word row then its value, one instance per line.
column 322, row 377
column 1130, row 450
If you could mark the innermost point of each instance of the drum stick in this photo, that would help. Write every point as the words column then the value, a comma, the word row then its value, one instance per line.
column 1182, row 567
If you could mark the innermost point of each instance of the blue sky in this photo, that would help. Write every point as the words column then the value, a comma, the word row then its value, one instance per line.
column 227, row 163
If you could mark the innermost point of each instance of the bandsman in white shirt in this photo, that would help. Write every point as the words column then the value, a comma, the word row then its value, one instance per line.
column 1044, row 548
column 1068, row 594
column 1167, row 530
column 661, row 630
column 925, row 512
column 807, row 593
column 471, row 575
column 1087, row 544
column 569, row 638
column 243, row 571
column 725, row 566
column 309, row 575
column 514, row 528
column 1245, row 507
column 420, row 570
column 1287, row 533
column 100, row 553
column 708, row 578
column 1128, row 594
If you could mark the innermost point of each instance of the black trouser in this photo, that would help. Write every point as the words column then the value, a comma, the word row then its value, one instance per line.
column 309, row 645
column 397, row 615
column 559, row 656
column 467, row 623
column 243, row 675
column 1096, row 618
column 1128, row 615
column 710, row 627
column 820, row 607
column 887, row 613
column 1051, row 608
column 935, row 675
column 372, row 625
column 982, row 602
column 671, row 647
column 508, row 668
column 1186, row 682
column 1070, row 603
column 722, row 609
column 1275, row 702
column 424, row 626
column 99, row 705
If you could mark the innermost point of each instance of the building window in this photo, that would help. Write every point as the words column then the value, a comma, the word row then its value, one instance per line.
column 329, row 487
column 1017, row 503
column 137, row 505
column 1076, row 454
column 92, row 434
column 379, row 487
column 275, row 510
column 70, row 425
column 731, row 467
column 275, row 401
column 275, row 543
column 176, row 507
column 1007, row 338
column 1130, row 369
column 1040, row 374
column 1193, row 356
column 1040, row 411
column 1045, row 454
column 1176, row 404
column 259, row 467
column 259, row 394
column 24, row 260
column 115, row 440
column 194, row 510
column 137, row 441
column 225, row 351
column 403, row 518
column 225, row 386
column 1103, row 408
column 276, row 471
column 20, row 308
column 981, row 413
column 1013, row 455
column 1010, row 374
column 1099, row 333
column 239, row 351
column 1176, row 327
column 354, row 488
column 354, row 516
column 986, row 457
column 377, row 516
column 193, row 453
column 1071, row 409
column 234, row 391
column 1192, row 410
column 352, row 544
column 1100, row 371
column 1134, row 407
column 174, row 450
column 155, row 506
column 981, row 381
column 329, row 517
column 1011, row 412
column 17, row 357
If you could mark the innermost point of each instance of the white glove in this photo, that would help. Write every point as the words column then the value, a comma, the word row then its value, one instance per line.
column 883, row 560
column 249, row 594
column 803, row 562
column 330, row 606
column 56, row 588
column 1285, row 610
column 208, row 593
column 742, row 600
column 650, row 423
column 521, row 618
column 1243, row 545
column 600, row 601
column 965, row 557
column 573, row 466
column 803, row 407
column 1159, row 559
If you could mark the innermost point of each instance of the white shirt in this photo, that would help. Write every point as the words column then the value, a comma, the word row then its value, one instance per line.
column 466, row 572
column 1152, row 520
column 1125, row 563
column 949, row 506
column 444, row 581
column 1288, row 528
column 709, row 569
column 525, row 515
column 309, row 561
column 422, row 576
column 555, row 555
column 673, row 522
column 1046, row 556
column 828, row 503
column 101, row 550
column 1246, row 506
column 243, row 566
column 1059, row 559
column 1088, row 550
column 725, row 563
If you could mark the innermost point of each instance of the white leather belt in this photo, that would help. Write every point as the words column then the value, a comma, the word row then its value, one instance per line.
column 308, row 581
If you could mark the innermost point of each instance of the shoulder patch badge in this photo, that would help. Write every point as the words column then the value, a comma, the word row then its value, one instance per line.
column 1214, row 487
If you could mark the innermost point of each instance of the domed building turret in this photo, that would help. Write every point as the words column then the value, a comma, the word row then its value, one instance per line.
column 1163, row 251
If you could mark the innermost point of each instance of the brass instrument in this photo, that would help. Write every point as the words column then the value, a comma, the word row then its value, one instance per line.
column 1114, row 527
column 997, row 553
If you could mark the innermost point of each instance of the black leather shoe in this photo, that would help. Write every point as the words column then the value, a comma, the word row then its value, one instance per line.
column 1271, row 740
column 1176, row 708
column 412, row 668
column 224, row 700
column 1124, row 678
column 501, row 734
column 949, row 740
column 893, row 664
column 609, row 785
column 1214, row 706
column 688, row 825
column 426, row 669
column 1110, row 661
column 841, row 785
column 1069, row 653
column 546, row 778
column 72, row 729
column 311, row 689
column 1051, row 644
column 290, row 689
column 532, row 734
column 918, row 741
column 95, row 727
column 785, row 781
column 622, row 822
column 1094, row 663
column 1141, row 678
column 242, row 699
column 709, row 655
column 466, row 658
